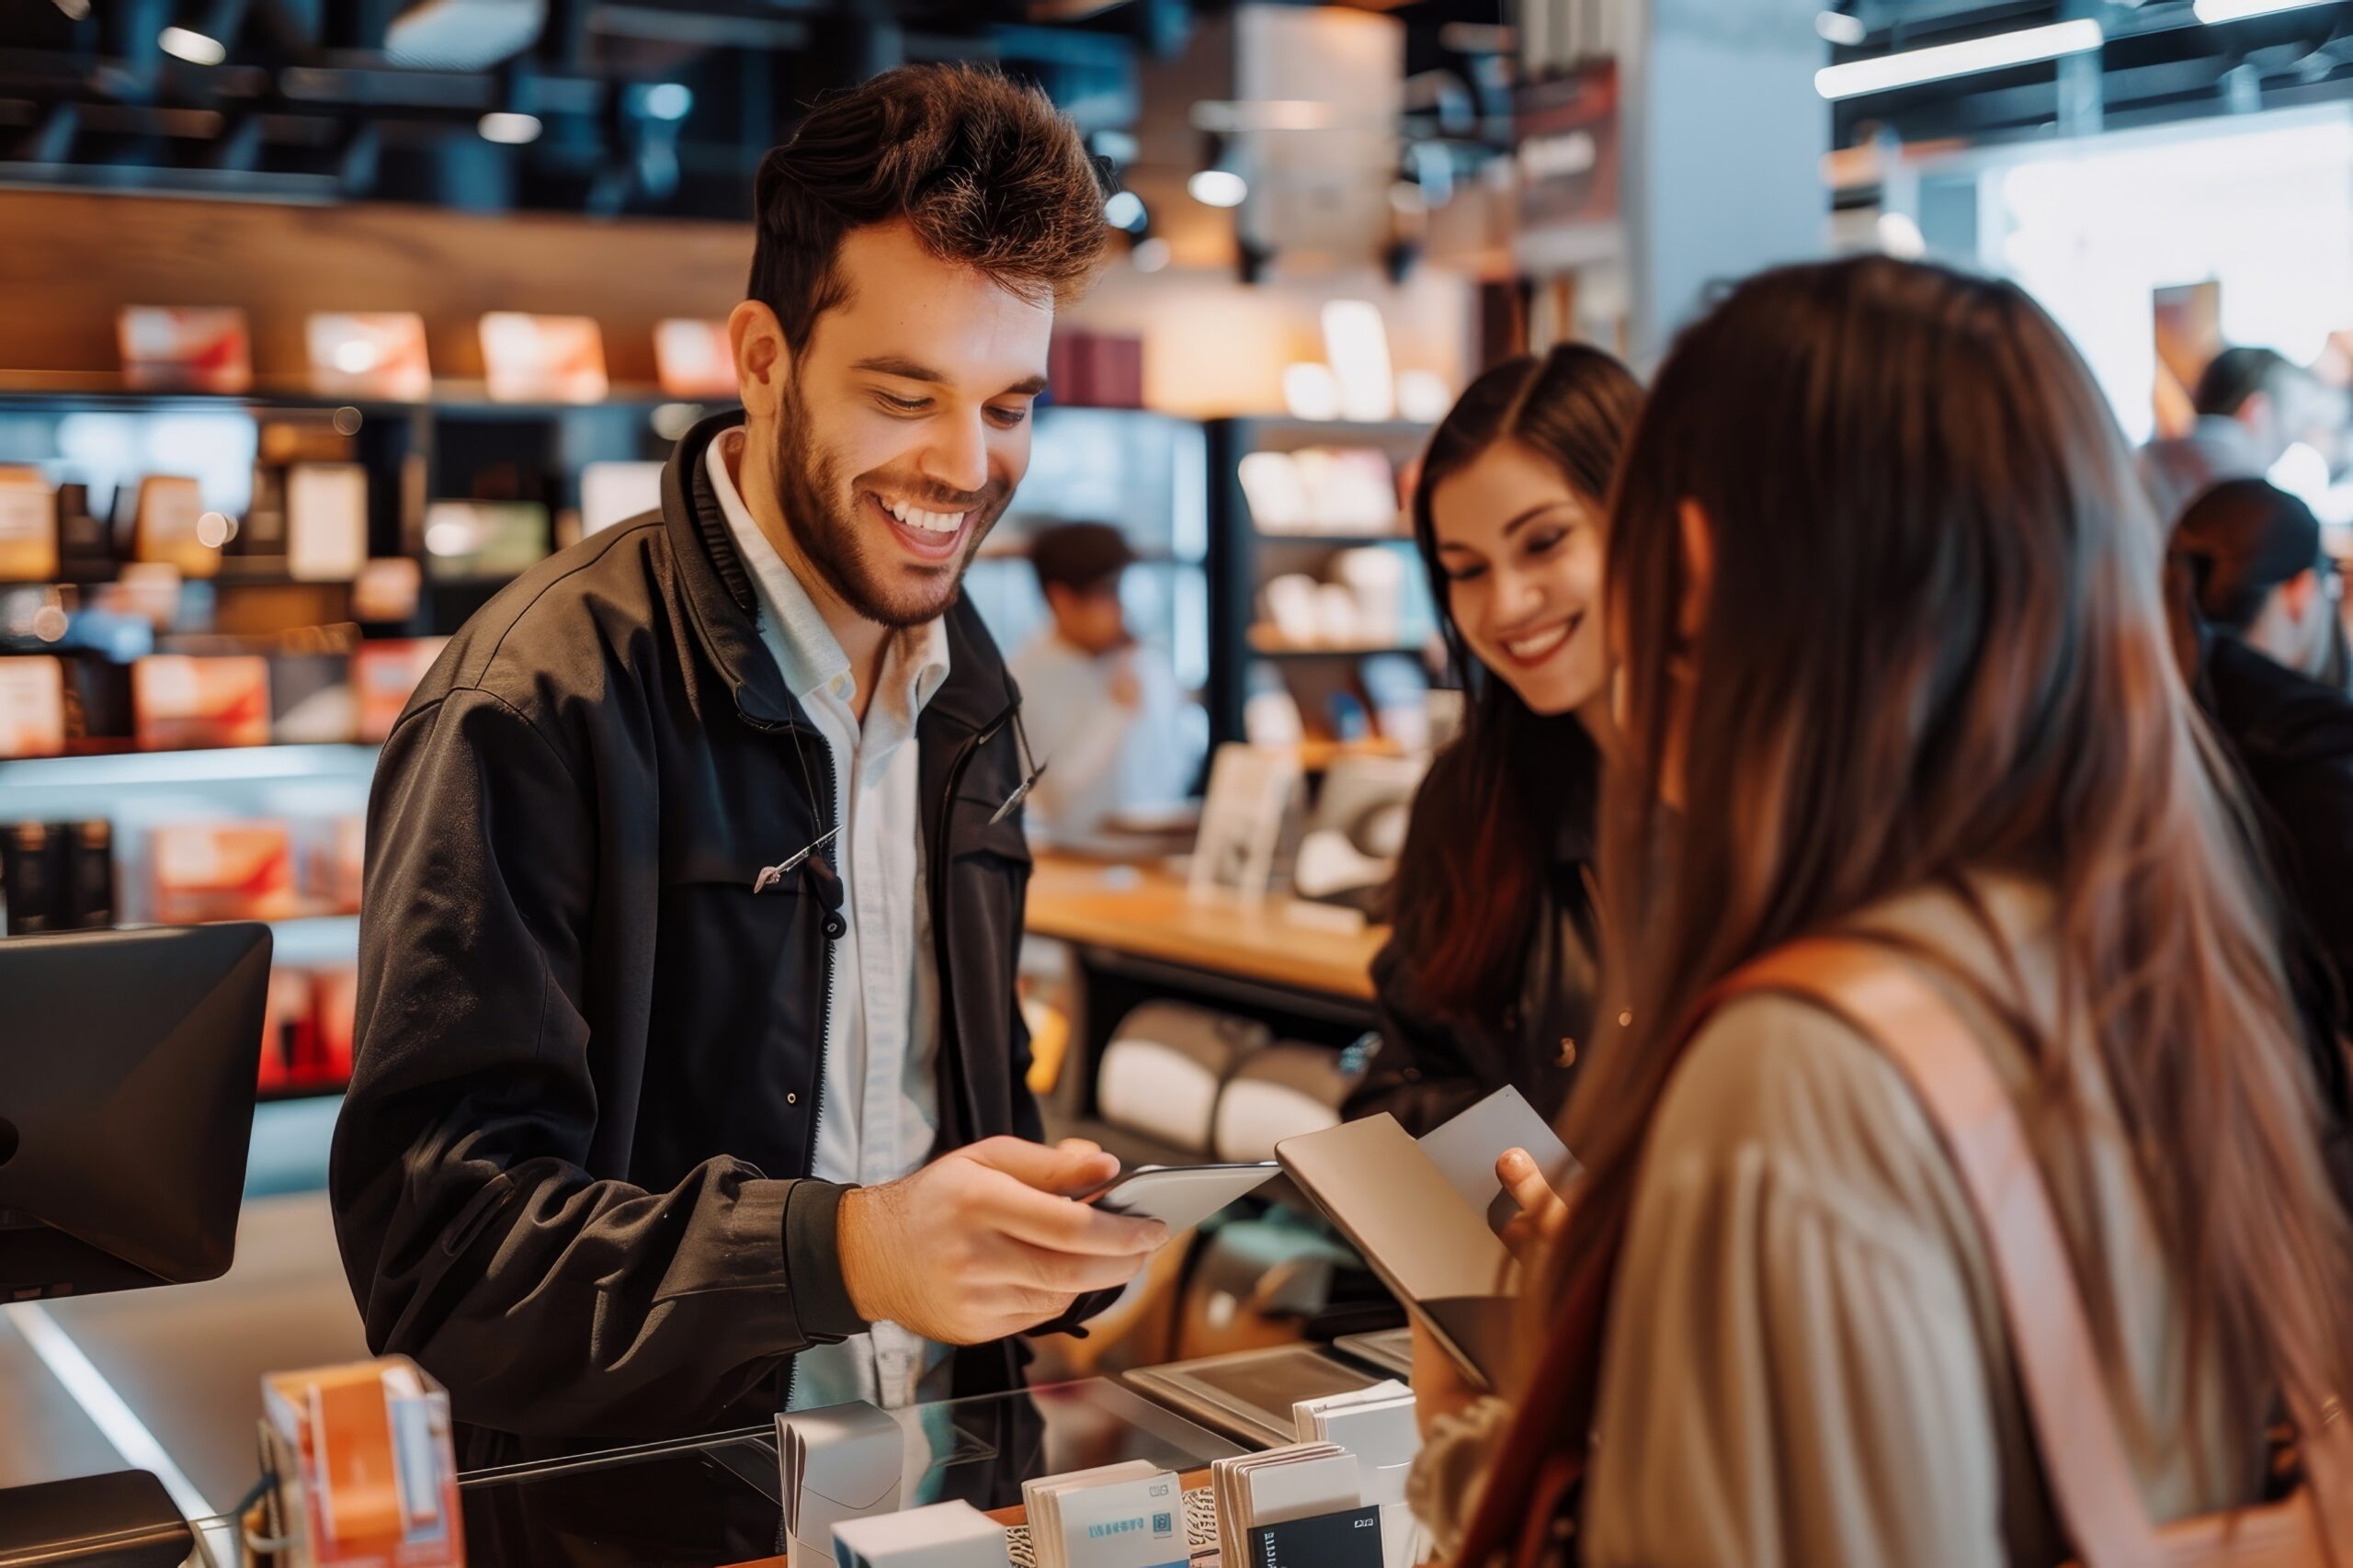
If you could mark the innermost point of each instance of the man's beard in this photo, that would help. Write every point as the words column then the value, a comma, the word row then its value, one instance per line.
column 810, row 491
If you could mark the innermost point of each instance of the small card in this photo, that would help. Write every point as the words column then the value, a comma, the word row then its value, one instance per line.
column 1466, row 1148
column 946, row 1535
column 1346, row 1539
column 1131, row 1524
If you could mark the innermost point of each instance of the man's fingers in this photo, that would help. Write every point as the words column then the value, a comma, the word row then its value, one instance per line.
column 1066, row 1273
column 1075, row 1167
column 1058, row 1225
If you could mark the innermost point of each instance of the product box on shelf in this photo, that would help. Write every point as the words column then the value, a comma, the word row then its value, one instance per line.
column 384, row 674
column 221, row 871
column 203, row 348
column 286, row 1027
column 32, row 705
column 169, row 526
column 365, row 1469
column 311, row 698
column 335, row 1011
column 181, row 701
column 28, row 547
column 326, row 521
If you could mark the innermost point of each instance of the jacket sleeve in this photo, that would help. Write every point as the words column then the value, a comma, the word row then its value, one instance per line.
column 548, row 1301
column 1420, row 1072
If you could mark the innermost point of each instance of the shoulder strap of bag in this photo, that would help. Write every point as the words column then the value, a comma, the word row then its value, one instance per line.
column 1886, row 1000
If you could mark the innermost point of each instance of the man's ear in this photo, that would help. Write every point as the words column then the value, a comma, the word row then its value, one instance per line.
column 763, row 358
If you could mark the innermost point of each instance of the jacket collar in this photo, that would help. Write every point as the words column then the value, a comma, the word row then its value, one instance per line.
column 724, row 610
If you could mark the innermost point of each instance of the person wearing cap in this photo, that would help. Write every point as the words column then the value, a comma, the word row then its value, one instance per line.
column 2261, row 577
column 1103, row 709
column 2254, row 603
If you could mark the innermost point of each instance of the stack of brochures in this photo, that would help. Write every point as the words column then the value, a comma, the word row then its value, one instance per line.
column 1121, row 1515
column 1297, row 1507
column 1377, row 1425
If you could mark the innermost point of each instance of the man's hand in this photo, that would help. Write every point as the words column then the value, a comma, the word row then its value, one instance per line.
column 1541, row 1213
column 984, row 1242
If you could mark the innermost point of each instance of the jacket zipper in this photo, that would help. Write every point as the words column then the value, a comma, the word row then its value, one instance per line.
column 938, row 871
column 825, row 820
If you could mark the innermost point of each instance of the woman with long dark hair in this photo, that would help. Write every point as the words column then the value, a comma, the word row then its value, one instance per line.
column 1489, row 977
column 1897, row 673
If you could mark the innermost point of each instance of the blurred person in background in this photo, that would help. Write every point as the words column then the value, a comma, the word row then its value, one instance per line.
column 1489, row 977
column 2254, row 598
column 1103, row 709
column 2252, row 406
column 1770, row 1329
column 2260, row 574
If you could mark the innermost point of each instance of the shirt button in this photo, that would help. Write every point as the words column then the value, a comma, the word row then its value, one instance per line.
column 792, row 1099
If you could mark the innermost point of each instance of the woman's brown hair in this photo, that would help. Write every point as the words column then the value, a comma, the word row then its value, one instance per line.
column 1935, row 644
column 1468, row 891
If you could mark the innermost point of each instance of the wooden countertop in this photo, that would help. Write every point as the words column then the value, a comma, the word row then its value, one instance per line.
column 1147, row 912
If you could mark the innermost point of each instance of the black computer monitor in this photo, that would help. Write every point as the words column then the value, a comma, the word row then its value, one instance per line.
column 127, row 1068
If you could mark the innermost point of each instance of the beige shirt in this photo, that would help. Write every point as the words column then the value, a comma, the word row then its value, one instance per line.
column 1807, row 1363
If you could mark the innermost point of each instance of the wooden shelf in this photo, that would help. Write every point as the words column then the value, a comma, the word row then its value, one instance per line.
column 451, row 397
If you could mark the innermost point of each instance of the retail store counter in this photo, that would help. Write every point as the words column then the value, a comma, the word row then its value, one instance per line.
column 717, row 1499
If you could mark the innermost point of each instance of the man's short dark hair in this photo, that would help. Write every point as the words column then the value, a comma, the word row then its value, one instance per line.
column 985, row 171
column 1080, row 556
column 2234, row 375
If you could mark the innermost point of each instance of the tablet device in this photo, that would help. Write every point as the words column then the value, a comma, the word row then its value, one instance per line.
column 1180, row 1197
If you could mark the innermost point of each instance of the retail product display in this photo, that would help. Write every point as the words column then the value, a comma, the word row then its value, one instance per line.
column 945, row 1535
column 28, row 548
column 182, row 348
column 1251, row 789
column 1321, row 490
column 167, row 526
column 838, row 1463
column 224, row 870
column 384, row 676
column 1353, row 837
column 1277, row 1093
column 1121, row 1515
column 1162, row 1071
column 693, row 359
column 366, row 1476
column 32, row 706
column 371, row 354
column 326, row 521
column 1377, row 1424
column 1256, row 1493
column 179, row 701
column 1426, row 1215
column 483, row 539
column 1181, row 1196
column 1251, row 1393
column 532, row 358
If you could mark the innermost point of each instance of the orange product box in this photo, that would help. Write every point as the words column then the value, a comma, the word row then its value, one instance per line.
column 180, row 702
column 365, row 1464
column 384, row 674
column 286, row 1015
column 32, row 706
column 221, row 871
column 334, row 1011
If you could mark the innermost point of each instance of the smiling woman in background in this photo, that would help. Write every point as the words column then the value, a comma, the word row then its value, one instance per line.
column 1489, row 977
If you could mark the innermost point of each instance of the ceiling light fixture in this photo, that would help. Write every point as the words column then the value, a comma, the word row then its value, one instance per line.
column 196, row 48
column 2214, row 11
column 1838, row 28
column 1911, row 67
column 507, row 129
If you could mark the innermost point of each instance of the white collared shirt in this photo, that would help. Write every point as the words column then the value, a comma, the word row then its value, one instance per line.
column 878, row 1115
